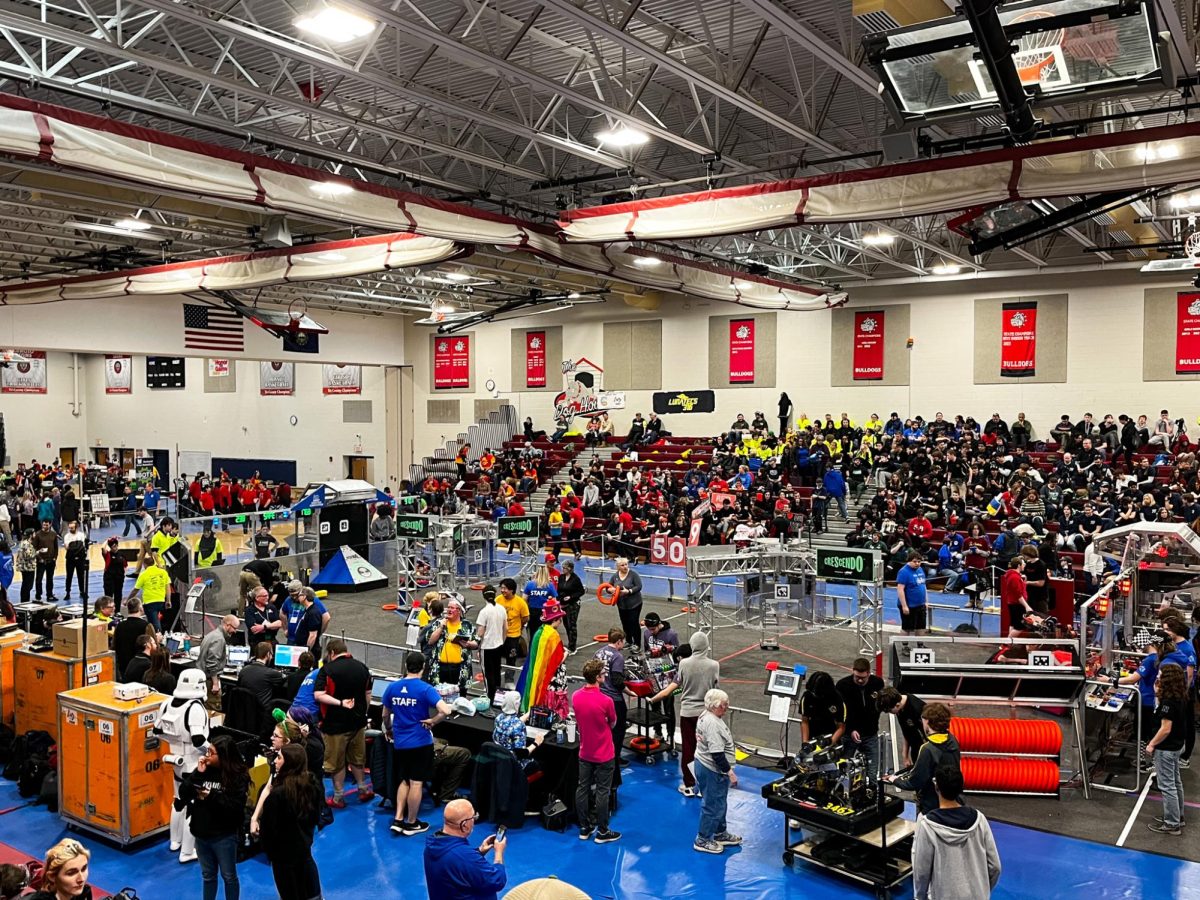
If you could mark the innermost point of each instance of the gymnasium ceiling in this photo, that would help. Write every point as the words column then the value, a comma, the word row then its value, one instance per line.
column 500, row 104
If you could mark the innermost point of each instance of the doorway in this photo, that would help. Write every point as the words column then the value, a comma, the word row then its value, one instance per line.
column 100, row 456
column 162, row 462
column 66, row 457
column 359, row 467
column 127, row 458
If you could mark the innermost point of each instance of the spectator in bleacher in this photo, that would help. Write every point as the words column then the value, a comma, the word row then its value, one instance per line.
column 1164, row 431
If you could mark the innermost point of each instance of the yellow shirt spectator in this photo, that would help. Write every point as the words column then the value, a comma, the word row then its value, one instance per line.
column 153, row 582
column 451, row 652
column 517, row 611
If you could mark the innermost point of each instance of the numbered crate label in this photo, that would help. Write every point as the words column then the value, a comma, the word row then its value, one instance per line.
column 107, row 728
column 94, row 668
column 72, row 717
column 146, row 719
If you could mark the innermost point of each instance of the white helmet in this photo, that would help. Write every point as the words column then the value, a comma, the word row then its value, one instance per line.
column 193, row 685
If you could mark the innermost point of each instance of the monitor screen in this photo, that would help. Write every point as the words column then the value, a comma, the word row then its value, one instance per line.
column 378, row 686
column 173, row 645
column 238, row 656
column 288, row 657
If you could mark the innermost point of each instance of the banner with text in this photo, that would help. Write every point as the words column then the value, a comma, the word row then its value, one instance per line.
column 1018, row 340
column 118, row 375
column 684, row 402
column 535, row 359
column 868, row 346
column 341, row 379
column 452, row 362
column 276, row 379
column 1187, row 335
column 218, row 368
column 741, row 351
column 26, row 376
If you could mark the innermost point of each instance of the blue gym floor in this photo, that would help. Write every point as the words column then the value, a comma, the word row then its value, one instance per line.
column 358, row 857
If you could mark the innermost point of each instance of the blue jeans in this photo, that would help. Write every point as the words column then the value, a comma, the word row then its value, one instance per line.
column 715, row 790
column 1166, row 769
column 218, row 853
column 154, row 615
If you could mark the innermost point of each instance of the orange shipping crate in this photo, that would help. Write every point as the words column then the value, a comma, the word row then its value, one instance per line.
column 9, row 643
column 112, row 780
column 39, row 678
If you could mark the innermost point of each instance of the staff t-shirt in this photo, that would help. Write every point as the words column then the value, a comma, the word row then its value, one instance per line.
column 153, row 582
column 914, row 585
column 536, row 596
column 410, row 700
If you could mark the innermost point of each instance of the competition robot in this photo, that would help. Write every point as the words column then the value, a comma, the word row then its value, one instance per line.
column 183, row 723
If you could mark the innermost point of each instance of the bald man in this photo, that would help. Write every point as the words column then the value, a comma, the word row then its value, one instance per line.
column 214, row 654
column 454, row 870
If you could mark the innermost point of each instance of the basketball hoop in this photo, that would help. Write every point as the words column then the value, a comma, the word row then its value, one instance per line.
column 1192, row 247
column 1036, row 53
column 297, row 309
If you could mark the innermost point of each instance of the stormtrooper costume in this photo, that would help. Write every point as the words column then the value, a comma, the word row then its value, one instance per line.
column 183, row 723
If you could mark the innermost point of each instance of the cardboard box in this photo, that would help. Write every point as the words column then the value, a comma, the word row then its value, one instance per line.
column 68, row 638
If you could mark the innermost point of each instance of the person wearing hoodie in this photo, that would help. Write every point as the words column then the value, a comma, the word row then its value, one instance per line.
column 454, row 870
column 939, row 751
column 696, row 676
column 215, row 794
column 954, row 855
column 834, row 483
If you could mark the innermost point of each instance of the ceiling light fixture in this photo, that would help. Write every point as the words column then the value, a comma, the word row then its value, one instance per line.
column 622, row 136
column 878, row 239
column 443, row 308
column 1153, row 152
column 334, row 24
column 945, row 269
column 131, row 223
column 457, row 276
column 101, row 228
column 331, row 189
column 574, row 295
column 647, row 262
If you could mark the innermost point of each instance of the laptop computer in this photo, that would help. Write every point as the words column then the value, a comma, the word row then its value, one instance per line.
column 378, row 686
column 237, row 657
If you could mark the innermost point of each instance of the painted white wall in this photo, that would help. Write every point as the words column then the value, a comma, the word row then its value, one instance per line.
column 154, row 325
column 240, row 424
column 1104, row 358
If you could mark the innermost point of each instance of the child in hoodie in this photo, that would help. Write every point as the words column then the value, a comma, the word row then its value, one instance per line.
column 939, row 750
column 954, row 854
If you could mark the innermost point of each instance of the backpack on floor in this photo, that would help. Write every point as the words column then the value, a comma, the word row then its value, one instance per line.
column 49, row 791
column 8, row 737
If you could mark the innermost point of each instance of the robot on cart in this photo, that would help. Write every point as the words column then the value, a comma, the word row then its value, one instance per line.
column 183, row 722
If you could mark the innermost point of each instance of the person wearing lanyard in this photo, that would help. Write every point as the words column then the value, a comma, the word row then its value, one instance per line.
column 629, row 600
column 452, row 639
column 570, row 593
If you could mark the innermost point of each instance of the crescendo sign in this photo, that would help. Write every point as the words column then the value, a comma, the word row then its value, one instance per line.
column 845, row 564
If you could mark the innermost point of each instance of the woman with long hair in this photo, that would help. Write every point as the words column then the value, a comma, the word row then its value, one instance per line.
column 1167, row 744
column 158, row 677
column 289, row 817
column 538, row 590
column 65, row 872
column 215, row 794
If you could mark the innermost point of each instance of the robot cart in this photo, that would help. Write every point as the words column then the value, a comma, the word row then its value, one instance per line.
column 645, row 678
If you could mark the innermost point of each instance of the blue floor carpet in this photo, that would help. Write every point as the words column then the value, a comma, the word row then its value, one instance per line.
column 358, row 857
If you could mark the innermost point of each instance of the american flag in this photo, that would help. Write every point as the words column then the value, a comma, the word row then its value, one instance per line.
column 212, row 328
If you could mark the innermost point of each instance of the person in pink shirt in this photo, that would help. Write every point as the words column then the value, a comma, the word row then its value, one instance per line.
column 596, row 716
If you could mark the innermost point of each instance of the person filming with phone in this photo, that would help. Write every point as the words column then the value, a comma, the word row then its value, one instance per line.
column 454, row 870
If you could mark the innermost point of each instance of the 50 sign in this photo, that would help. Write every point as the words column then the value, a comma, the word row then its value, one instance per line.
column 668, row 551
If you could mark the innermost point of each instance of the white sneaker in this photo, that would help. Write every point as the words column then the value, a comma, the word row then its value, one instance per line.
column 187, row 857
column 688, row 791
column 175, row 845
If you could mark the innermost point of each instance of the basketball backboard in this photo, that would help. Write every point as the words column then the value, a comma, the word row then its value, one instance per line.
column 1065, row 49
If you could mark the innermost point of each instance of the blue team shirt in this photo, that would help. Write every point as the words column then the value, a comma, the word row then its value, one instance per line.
column 1148, row 671
column 295, row 612
column 536, row 597
column 304, row 696
column 914, row 586
column 411, row 701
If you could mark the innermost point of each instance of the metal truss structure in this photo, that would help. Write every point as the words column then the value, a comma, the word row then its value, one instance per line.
column 500, row 104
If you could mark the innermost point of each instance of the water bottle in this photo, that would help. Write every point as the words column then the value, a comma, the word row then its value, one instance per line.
column 571, row 728
column 560, row 733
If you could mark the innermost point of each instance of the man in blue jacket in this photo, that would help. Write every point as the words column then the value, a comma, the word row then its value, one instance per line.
column 454, row 870
column 835, row 486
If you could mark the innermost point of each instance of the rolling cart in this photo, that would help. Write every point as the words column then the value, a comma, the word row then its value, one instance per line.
column 644, row 678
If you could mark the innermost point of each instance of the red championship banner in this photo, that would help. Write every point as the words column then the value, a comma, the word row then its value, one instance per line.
column 1018, row 339
column 118, row 374
column 741, row 351
column 1187, row 335
column 868, row 346
column 452, row 362
column 535, row 359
